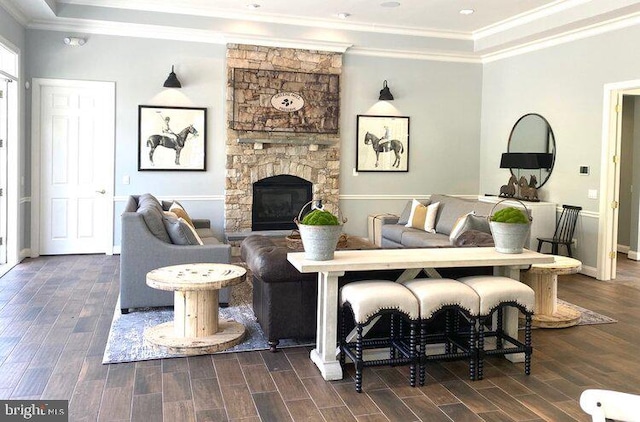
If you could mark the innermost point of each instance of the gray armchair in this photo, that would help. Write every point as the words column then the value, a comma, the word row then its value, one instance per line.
column 142, row 251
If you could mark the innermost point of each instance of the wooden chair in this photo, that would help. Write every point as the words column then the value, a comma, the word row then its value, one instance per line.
column 565, row 227
column 604, row 405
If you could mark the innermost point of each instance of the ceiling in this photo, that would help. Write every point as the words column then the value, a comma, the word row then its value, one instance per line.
column 432, row 28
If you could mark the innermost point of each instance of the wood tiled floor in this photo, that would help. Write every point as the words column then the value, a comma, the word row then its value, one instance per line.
column 55, row 314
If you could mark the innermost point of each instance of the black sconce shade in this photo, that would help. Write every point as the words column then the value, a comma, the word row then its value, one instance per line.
column 172, row 81
column 385, row 94
column 526, row 160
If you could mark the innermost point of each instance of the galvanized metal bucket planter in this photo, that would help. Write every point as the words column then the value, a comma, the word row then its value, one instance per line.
column 319, row 242
column 510, row 237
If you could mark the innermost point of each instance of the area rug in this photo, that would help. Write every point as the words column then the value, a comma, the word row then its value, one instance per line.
column 588, row 316
column 126, row 342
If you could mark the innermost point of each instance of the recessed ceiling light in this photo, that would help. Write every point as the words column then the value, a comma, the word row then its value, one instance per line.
column 390, row 4
column 253, row 6
column 466, row 11
column 344, row 15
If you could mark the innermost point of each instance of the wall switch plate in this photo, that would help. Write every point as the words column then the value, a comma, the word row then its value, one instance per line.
column 592, row 194
column 126, row 180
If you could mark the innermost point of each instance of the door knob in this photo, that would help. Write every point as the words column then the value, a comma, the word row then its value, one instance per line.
column 101, row 191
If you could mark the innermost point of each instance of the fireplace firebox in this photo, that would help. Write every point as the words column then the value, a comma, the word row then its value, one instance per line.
column 277, row 201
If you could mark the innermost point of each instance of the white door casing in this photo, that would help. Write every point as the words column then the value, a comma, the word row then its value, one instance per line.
column 73, row 146
column 4, row 124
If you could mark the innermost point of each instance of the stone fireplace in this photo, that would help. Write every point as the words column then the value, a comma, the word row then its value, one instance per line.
column 255, row 155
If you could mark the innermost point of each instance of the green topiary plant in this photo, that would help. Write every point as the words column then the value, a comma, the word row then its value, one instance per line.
column 510, row 215
column 320, row 218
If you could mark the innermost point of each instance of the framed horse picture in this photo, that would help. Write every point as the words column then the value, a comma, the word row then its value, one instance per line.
column 172, row 138
column 382, row 143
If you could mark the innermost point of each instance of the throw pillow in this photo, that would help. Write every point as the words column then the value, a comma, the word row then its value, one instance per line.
column 404, row 216
column 458, row 226
column 430, row 219
column 181, row 232
column 417, row 215
column 473, row 222
column 178, row 210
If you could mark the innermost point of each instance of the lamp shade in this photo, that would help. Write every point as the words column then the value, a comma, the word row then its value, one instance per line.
column 385, row 94
column 172, row 81
column 526, row 160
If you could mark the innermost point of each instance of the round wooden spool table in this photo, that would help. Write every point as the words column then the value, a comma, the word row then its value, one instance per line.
column 196, row 327
column 543, row 279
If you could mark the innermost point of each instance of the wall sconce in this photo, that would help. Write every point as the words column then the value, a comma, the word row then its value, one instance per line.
column 172, row 81
column 385, row 94
column 74, row 41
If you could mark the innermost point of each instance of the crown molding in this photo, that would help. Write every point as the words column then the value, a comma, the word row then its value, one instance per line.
column 528, row 17
column 217, row 37
column 15, row 12
column 207, row 10
column 417, row 55
column 180, row 34
column 563, row 38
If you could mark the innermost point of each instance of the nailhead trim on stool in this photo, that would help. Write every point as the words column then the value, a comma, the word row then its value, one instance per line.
column 495, row 294
column 367, row 299
column 437, row 295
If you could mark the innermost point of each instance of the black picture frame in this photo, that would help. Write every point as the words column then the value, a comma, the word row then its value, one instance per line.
column 158, row 138
column 392, row 154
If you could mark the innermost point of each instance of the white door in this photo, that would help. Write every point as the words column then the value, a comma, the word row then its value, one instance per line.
column 74, row 132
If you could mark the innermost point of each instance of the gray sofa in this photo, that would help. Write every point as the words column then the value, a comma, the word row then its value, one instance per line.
column 146, row 244
column 476, row 232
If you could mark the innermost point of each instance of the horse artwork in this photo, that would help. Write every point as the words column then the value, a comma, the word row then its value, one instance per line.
column 163, row 147
column 387, row 146
column 154, row 141
column 509, row 190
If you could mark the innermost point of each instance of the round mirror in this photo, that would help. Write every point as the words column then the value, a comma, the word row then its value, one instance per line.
column 534, row 147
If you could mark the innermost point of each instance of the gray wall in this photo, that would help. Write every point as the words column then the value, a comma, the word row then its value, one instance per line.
column 565, row 84
column 443, row 103
column 442, row 99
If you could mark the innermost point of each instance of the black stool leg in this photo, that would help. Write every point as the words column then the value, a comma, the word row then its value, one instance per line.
column 422, row 350
column 499, row 332
column 527, row 344
column 358, row 363
column 343, row 335
column 392, row 336
column 480, row 352
column 412, row 353
column 473, row 351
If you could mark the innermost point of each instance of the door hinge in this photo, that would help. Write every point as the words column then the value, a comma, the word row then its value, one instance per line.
column 1, row 93
column 1, row 143
column 612, row 254
column 616, row 159
column 618, row 108
column 1, row 241
column 614, row 204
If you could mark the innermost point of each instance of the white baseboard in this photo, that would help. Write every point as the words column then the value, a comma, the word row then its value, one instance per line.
column 24, row 253
column 589, row 271
column 634, row 255
column 623, row 248
column 116, row 250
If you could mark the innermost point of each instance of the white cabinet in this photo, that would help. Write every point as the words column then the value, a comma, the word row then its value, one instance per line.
column 543, row 214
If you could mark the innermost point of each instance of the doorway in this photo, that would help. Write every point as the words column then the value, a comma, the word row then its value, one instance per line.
column 73, row 146
column 9, row 146
column 610, row 176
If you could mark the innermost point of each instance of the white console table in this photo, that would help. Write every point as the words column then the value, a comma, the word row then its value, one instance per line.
column 543, row 214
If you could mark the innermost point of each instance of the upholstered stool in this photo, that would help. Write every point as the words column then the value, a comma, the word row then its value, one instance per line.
column 495, row 294
column 371, row 298
column 436, row 295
